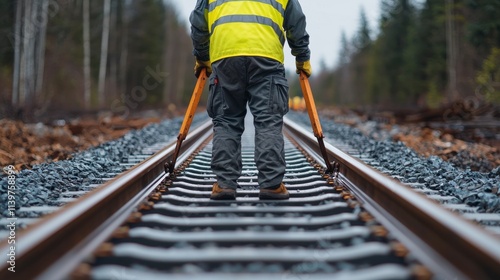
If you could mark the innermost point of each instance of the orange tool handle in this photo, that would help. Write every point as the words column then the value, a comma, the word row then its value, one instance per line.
column 193, row 104
column 311, row 106
column 313, row 116
column 188, row 118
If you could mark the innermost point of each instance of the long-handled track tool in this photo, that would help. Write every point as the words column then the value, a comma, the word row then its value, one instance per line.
column 188, row 119
column 313, row 116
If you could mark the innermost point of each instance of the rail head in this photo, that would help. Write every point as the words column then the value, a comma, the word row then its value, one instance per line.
column 464, row 245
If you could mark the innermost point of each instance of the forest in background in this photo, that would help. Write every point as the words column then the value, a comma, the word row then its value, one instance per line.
column 120, row 56
column 423, row 54
column 70, row 56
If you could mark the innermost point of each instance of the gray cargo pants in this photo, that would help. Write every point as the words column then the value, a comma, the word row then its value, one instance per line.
column 261, row 83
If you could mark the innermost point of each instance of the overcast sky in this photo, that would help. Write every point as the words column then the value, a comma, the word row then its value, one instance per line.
column 326, row 19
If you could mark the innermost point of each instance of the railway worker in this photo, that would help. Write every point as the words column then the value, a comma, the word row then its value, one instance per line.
column 241, row 43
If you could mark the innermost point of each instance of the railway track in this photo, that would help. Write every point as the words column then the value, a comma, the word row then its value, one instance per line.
column 489, row 221
column 359, row 224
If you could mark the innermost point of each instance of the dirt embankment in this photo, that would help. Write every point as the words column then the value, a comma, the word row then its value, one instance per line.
column 24, row 145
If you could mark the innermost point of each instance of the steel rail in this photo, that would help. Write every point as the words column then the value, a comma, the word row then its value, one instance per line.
column 464, row 250
column 45, row 248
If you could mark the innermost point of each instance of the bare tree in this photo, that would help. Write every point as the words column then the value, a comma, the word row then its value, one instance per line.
column 452, row 50
column 17, row 54
column 104, row 52
column 25, row 71
column 86, row 55
column 29, row 53
column 181, row 69
column 124, row 49
column 40, row 56
column 169, row 89
column 114, row 58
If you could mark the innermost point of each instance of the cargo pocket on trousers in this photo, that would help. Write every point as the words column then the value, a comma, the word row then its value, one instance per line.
column 279, row 96
column 213, row 90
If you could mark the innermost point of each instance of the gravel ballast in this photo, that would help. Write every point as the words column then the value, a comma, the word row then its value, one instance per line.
column 44, row 183
column 478, row 189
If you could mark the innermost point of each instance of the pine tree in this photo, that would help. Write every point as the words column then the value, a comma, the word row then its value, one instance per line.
column 363, row 44
column 362, row 39
column 484, row 25
column 146, row 47
column 385, row 78
column 432, row 42
column 344, row 80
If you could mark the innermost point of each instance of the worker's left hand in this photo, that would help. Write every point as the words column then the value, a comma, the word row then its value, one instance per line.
column 305, row 67
column 200, row 65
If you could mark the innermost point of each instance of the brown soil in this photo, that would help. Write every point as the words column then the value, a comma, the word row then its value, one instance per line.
column 434, row 142
column 24, row 145
column 426, row 143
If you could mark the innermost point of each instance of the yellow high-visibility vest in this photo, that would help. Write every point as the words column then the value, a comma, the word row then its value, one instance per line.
column 246, row 28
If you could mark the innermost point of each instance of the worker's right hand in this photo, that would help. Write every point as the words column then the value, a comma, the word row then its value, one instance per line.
column 200, row 65
column 304, row 66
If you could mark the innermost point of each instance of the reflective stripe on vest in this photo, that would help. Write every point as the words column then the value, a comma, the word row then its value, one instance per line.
column 246, row 28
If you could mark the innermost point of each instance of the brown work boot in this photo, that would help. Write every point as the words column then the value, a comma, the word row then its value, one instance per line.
column 219, row 193
column 277, row 193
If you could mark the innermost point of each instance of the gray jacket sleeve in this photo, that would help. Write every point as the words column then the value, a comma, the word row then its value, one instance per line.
column 296, row 34
column 199, row 31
